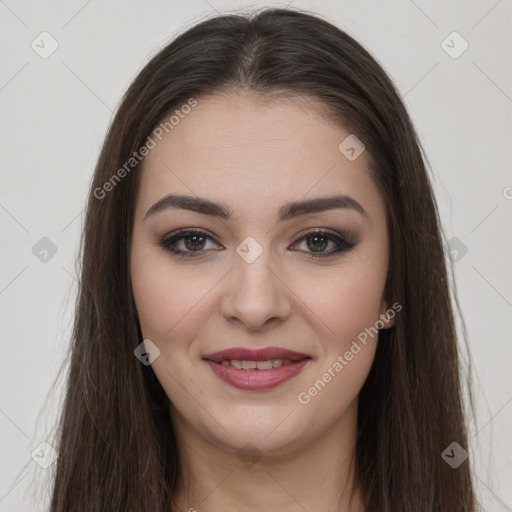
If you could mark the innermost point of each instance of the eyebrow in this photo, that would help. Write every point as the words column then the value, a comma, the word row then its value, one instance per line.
column 287, row 211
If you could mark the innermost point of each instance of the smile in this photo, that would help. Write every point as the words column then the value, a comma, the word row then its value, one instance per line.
column 256, row 370
column 260, row 365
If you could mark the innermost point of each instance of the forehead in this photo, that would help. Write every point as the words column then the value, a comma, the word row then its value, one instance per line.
column 247, row 151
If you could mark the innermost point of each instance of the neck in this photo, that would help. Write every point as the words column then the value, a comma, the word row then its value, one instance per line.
column 314, row 476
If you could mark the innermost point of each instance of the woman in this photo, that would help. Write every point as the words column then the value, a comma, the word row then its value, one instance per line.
column 264, row 317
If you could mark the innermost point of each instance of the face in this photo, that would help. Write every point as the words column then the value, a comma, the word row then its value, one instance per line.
column 264, row 313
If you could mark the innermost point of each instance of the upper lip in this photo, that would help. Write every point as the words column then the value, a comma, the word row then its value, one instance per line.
column 246, row 354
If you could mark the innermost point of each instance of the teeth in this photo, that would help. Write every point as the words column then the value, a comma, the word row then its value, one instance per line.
column 260, row 365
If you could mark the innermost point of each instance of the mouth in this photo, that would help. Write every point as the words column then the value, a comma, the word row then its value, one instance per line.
column 256, row 369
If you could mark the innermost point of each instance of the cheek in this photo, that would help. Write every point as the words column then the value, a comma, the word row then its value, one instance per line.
column 345, row 303
column 348, row 309
column 165, row 298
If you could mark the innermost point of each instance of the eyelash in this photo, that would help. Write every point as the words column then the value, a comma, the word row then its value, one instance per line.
column 344, row 244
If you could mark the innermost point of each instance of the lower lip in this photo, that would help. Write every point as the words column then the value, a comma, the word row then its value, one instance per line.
column 256, row 380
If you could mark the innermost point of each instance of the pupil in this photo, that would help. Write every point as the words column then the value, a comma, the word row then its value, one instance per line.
column 195, row 237
column 315, row 238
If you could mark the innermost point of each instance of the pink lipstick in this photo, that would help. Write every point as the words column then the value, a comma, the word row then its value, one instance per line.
column 256, row 369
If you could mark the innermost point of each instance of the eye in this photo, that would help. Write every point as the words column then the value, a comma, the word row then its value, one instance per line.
column 318, row 240
column 192, row 243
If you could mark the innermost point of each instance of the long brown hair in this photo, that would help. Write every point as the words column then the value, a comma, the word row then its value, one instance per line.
column 115, row 442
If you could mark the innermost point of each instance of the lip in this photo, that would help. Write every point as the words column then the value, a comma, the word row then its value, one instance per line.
column 262, row 354
column 256, row 380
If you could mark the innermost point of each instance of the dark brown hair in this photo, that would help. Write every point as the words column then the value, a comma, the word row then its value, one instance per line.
column 115, row 442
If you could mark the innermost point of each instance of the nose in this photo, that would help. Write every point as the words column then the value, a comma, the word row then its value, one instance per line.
column 255, row 294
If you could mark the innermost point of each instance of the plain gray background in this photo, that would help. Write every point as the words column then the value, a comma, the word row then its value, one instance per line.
column 55, row 112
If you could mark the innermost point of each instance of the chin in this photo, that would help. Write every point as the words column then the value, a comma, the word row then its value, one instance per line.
column 272, row 430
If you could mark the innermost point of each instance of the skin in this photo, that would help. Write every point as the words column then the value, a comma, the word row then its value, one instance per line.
column 255, row 157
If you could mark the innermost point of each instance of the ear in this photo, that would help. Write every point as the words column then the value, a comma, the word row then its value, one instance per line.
column 387, row 314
